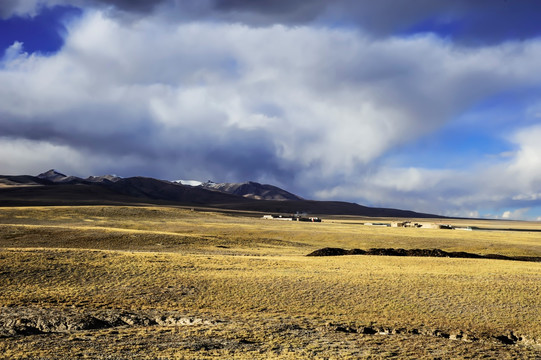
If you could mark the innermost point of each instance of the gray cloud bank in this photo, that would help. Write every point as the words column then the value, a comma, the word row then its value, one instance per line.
column 477, row 21
column 312, row 108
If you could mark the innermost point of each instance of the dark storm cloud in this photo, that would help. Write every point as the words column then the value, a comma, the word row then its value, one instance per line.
column 10, row 8
column 480, row 21
column 7, row 7
column 471, row 21
column 236, row 154
column 132, row 5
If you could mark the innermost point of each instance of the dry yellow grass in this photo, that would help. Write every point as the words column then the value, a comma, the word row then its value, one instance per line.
column 143, row 228
column 252, row 274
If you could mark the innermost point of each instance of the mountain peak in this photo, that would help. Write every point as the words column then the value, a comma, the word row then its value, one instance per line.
column 51, row 175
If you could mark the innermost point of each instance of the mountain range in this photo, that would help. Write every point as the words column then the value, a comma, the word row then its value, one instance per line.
column 54, row 188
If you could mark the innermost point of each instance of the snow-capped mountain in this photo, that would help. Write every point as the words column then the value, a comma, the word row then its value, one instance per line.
column 252, row 190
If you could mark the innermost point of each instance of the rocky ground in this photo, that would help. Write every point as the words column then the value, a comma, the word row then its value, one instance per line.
column 61, row 333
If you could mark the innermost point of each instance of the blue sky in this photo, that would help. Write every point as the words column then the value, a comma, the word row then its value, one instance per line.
column 426, row 105
column 42, row 33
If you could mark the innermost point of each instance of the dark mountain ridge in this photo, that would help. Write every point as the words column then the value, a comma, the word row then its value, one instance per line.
column 252, row 190
column 54, row 188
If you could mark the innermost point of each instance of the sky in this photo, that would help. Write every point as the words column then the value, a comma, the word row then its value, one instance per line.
column 425, row 105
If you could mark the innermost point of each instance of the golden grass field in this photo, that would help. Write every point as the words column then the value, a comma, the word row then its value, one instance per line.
column 202, row 284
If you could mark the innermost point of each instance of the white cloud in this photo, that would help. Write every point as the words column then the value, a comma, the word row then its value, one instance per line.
column 513, row 184
column 517, row 214
column 316, row 106
column 33, row 157
column 527, row 163
column 14, row 53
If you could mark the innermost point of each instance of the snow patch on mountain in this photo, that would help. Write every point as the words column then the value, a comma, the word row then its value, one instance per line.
column 253, row 190
column 188, row 182
column 112, row 178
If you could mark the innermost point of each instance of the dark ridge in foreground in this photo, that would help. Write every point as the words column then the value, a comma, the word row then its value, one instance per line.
column 418, row 252
column 324, row 208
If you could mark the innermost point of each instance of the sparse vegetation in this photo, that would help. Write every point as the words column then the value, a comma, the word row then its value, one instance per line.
column 250, row 290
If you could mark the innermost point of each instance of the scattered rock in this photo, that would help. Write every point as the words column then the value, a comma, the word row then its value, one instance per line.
column 345, row 329
column 507, row 339
column 181, row 320
column 367, row 330
column 32, row 321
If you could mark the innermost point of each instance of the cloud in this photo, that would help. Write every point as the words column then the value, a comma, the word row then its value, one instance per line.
column 482, row 21
column 339, row 99
column 314, row 108
column 10, row 8
column 510, row 186
column 515, row 214
column 14, row 53
column 525, row 168
column 25, row 157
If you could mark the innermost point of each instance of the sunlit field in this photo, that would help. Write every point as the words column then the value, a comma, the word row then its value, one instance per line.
column 158, row 282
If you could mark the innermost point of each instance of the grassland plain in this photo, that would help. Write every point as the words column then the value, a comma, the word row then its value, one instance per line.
column 161, row 282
